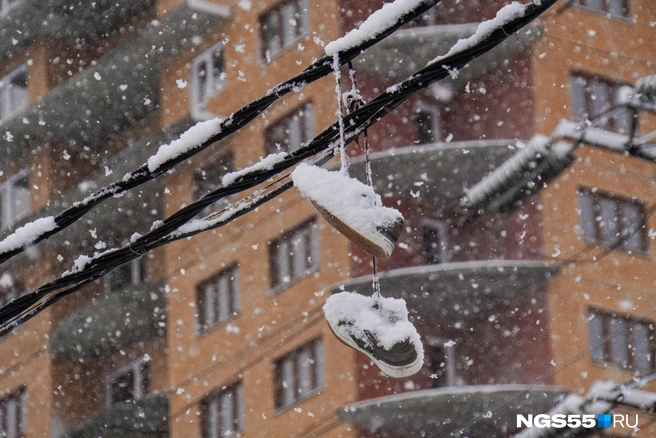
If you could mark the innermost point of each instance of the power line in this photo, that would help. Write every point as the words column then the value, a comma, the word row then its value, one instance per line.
column 232, row 124
column 27, row 306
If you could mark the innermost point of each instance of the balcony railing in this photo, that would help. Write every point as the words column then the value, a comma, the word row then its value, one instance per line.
column 144, row 418
column 113, row 95
column 459, row 291
column 114, row 322
column 408, row 50
column 438, row 168
column 30, row 20
column 472, row 411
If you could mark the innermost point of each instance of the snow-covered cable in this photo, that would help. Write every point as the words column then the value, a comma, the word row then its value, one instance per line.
column 201, row 136
column 340, row 115
column 26, row 306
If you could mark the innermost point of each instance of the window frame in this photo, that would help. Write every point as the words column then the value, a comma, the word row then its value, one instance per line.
column 627, row 16
column 202, row 327
column 266, row 56
column 596, row 197
column 276, row 285
column 586, row 105
column 138, row 275
column 7, row 189
column 5, row 112
column 442, row 230
column 236, row 390
column 450, row 360
column 306, row 124
column 433, row 109
column 317, row 374
column 198, row 105
column 630, row 346
column 141, row 385
column 19, row 395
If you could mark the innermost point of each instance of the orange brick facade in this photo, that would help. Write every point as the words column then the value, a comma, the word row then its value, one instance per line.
column 63, row 391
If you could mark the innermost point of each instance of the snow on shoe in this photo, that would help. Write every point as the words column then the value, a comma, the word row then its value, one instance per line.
column 379, row 328
column 352, row 207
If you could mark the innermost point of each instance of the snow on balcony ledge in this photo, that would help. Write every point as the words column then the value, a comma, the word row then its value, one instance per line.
column 460, row 290
column 441, row 412
column 435, row 172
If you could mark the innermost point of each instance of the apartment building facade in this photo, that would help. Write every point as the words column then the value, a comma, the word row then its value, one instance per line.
column 223, row 333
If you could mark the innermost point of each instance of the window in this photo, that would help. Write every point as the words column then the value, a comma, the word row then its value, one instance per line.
column 591, row 96
column 14, row 199
column 13, row 92
column 620, row 340
column 282, row 26
column 434, row 236
column 223, row 412
column 427, row 123
column 299, row 374
column 441, row 364
column 12, row 415
column 294, row 254
column 209, row 179
column 131, row 273
column 611, row 220
column 128, row 384
column 292, row 131
column 218, row 298
column 207, row 76
column 619, row 8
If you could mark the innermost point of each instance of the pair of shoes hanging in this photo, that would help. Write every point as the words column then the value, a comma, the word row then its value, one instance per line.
column 373, row 325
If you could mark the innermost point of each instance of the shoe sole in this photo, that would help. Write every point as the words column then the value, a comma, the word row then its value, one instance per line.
column 397, row 372
column 375, row 245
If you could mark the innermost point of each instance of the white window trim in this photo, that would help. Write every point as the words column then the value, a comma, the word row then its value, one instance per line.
column 135, row 366
column 6, row 79
column 217, row 397
column 436, row 117
column 449, row 353
column 21, row 425
column 320, row 366
column 199, row 111
column 210, row 8
column 7, row 186
column 629, row 18
column 270, row 56
column 136, row 274
column 443, row 231
column 236, row 283
column 315, row 251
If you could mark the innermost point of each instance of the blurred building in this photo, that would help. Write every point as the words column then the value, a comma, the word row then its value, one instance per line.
column 223, row 333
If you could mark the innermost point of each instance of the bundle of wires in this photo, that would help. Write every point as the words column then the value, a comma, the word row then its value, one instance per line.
column 321, row 147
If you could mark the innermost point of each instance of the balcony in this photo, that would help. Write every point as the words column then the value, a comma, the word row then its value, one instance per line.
column 459, row 291
column 409, row 50
column 440, row 171
column 456, row 412
column 116, row 93
column 111, row 323
column 30, row 20
column 147, row 417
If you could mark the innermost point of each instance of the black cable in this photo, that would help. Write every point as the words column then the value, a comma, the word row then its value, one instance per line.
column 27, row 306
column 236, row 121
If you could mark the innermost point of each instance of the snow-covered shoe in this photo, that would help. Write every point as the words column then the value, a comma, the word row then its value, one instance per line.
column 379, row 328
column 352, row 207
